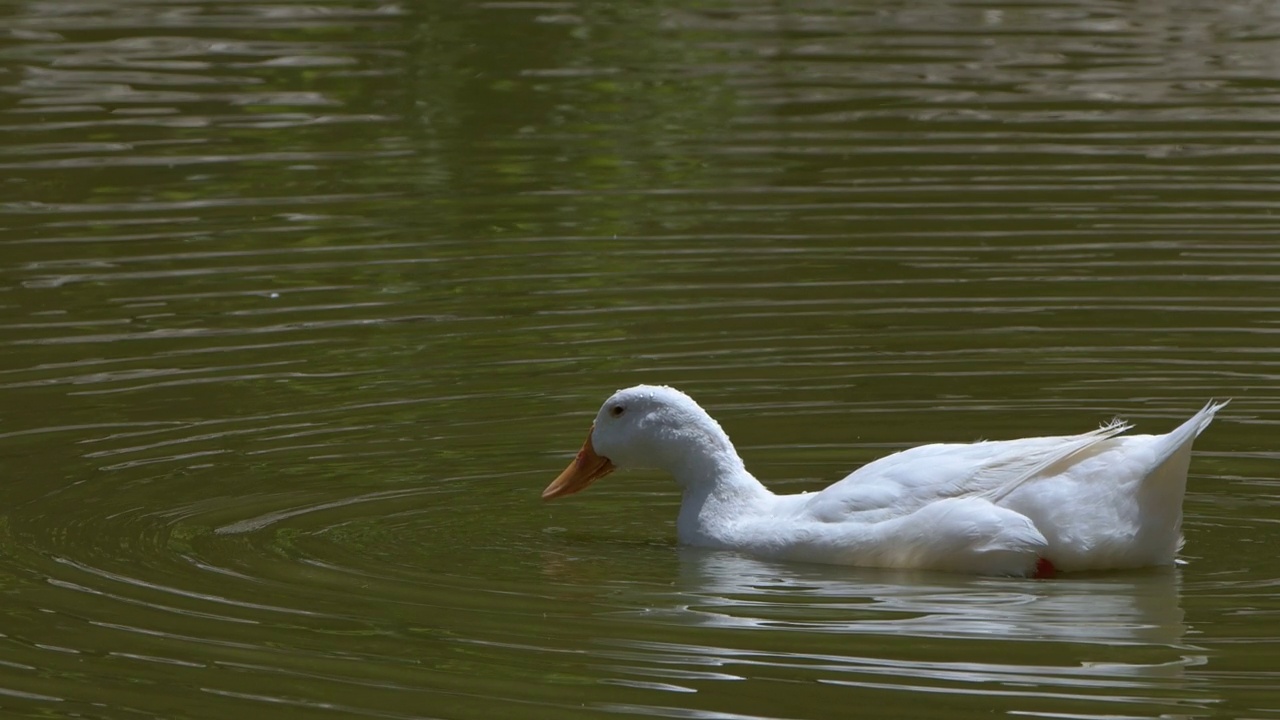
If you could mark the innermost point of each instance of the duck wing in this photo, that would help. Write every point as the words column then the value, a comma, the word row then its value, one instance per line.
column 1089, row 501
column 904, row 482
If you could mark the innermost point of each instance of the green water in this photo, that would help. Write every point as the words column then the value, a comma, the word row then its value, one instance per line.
column 303, row 304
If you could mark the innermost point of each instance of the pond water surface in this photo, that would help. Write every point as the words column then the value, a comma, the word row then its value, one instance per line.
column 302, row 304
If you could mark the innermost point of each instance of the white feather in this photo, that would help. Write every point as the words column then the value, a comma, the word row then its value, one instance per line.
column 1091, row 501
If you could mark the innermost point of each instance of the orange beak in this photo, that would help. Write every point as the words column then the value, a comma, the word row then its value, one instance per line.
column 585, row 469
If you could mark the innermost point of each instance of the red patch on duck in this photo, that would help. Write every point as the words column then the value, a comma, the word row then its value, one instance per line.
column 1044, row 569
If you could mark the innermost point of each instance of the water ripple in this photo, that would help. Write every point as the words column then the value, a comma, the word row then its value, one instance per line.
column 303, row 303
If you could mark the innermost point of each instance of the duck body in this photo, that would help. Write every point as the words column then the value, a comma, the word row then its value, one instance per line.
column 1098, row 500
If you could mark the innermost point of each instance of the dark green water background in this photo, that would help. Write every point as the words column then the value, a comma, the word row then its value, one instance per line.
column 302, row 304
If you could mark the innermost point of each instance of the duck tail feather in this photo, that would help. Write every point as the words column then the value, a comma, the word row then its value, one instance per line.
column 1003, row 476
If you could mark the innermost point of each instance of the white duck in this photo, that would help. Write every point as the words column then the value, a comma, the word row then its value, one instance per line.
column 1013, row 507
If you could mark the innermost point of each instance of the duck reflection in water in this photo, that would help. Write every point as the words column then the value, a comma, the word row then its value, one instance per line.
column 731, row 590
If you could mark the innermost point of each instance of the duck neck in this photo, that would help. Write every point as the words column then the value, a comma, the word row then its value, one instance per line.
column 717, row 490
column 715, row 467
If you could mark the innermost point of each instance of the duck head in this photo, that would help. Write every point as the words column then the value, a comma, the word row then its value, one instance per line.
column 646, row 426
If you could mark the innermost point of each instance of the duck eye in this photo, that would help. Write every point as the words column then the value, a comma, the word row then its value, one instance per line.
column 617, row 410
